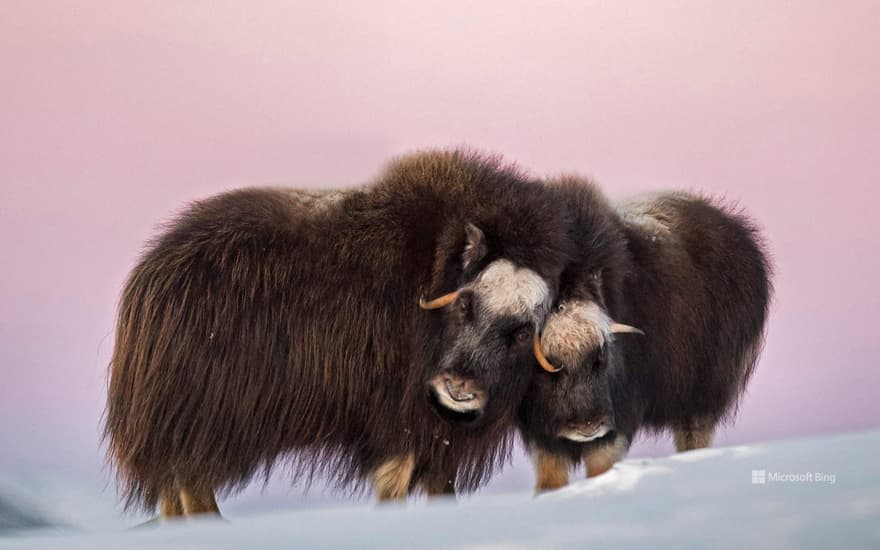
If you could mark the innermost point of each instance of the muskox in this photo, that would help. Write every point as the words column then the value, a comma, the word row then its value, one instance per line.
column 661, row 332
column 268, row 325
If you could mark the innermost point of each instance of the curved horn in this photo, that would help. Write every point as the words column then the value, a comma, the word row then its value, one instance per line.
column 437, row 303
column 539, row 355
column 620, row 327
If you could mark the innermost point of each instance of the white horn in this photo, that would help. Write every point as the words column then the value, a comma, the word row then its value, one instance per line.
column 617, row 328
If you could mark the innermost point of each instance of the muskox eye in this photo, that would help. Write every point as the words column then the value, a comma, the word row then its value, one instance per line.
column 522, row 335
column 465, row 307
column 560, row 308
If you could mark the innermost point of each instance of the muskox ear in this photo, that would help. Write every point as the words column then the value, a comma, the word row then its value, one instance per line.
column 475, row 245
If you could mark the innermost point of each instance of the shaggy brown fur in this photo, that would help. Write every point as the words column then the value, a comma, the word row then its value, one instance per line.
column 694, row 276
column 272, row 325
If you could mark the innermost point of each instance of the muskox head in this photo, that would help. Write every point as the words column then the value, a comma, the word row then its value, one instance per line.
column 490, row 327
column 574, row 404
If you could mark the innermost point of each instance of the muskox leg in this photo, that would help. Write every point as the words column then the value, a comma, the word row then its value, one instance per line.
column 392, row 478
column 688, row 439
column 198, row 500
column 600, row 459
column 551, row 470
column 170, row 505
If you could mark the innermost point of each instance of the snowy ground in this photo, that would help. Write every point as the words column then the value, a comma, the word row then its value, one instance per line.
column 818, row 493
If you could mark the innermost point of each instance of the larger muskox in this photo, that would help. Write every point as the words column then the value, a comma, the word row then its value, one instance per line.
column 662, row 332
column 268, row 325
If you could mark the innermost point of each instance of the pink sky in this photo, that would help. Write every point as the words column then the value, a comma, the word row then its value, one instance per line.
column 114, row 114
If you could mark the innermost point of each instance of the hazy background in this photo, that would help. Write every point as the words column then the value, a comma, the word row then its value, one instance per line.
column 114, row 114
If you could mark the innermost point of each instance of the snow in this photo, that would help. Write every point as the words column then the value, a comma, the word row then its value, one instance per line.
column 39, row 499
column 817, row 493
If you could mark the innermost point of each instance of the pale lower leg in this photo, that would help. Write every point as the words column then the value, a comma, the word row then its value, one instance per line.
column 551, row 470
column 600, row 460
column 170, row 505
column 694, row 438
column 392, row 478
column 198, row 501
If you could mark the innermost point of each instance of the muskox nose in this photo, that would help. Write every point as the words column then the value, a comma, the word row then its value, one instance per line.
column 458, row 393
column 459, row 390
column 590, row 430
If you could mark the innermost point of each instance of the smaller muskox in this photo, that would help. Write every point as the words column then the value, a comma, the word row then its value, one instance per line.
column 267, row 325
column 662, row 332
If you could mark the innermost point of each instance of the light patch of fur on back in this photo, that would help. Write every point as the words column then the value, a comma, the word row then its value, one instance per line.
column 649, row 214
column 575, row 330
column 316, row 200
column 507, row 289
